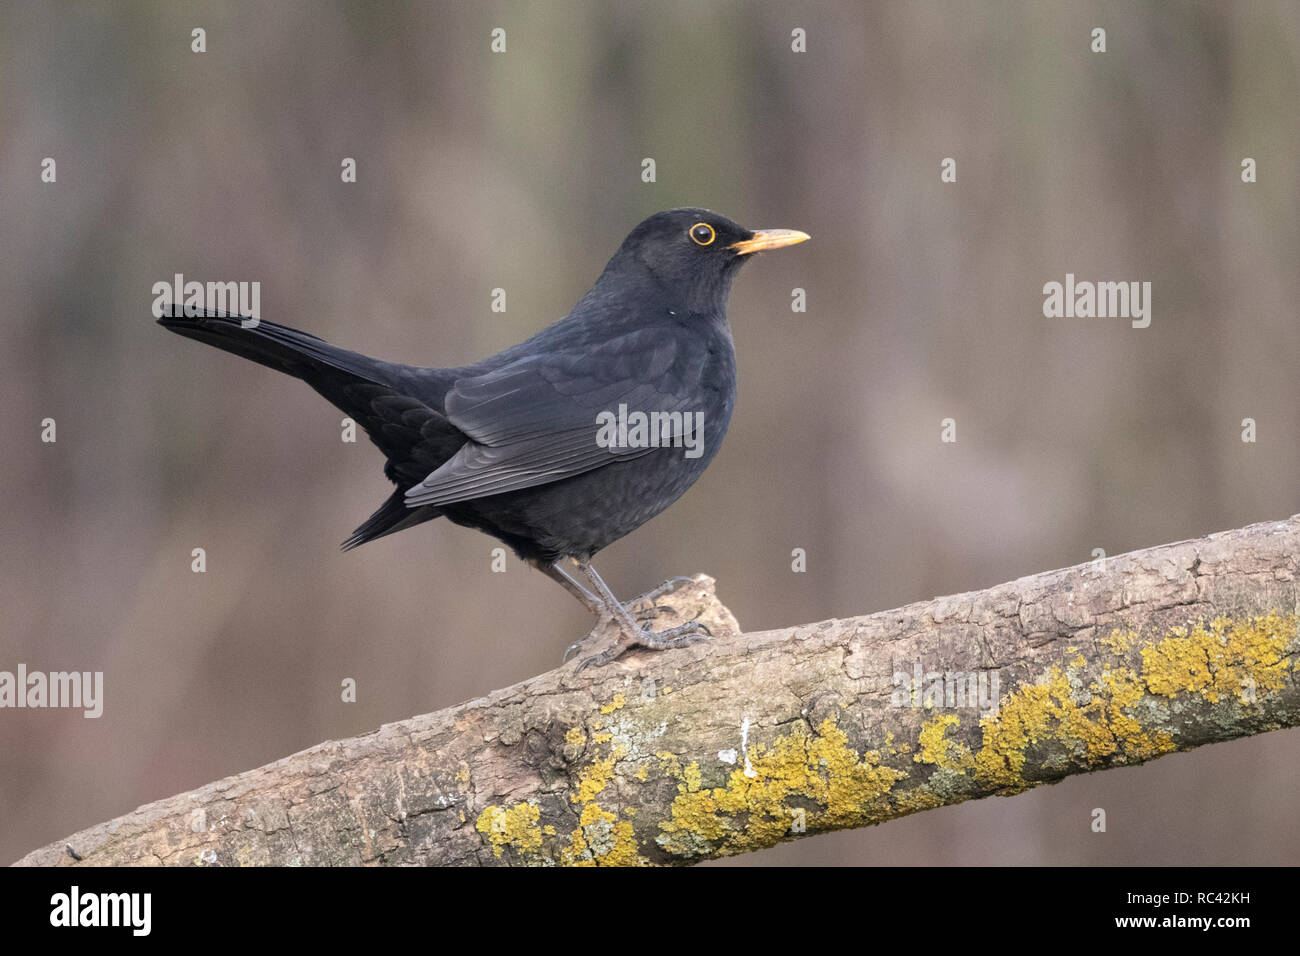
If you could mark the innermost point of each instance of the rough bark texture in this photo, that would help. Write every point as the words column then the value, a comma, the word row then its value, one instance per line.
column 735, row 744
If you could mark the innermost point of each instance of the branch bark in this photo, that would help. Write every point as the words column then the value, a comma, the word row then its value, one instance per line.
column 738, row 743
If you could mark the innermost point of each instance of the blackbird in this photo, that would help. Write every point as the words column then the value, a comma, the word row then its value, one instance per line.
column 566, row 442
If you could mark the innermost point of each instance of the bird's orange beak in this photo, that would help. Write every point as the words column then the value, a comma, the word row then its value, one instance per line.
column 764, row 239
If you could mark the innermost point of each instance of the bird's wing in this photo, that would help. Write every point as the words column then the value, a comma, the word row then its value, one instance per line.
column 535, row 420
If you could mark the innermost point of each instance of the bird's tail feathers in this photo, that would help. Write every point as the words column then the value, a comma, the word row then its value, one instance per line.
column 276, row 346
column 392, row 515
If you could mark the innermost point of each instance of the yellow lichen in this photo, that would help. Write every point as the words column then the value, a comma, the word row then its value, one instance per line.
column 1068, row 726
column 1118, row 641
column 576, row 853
column 757, row 805
column 511, row 826
column 1091, row 731
column 624, row 851
column 601, row 839
column 595, row 777
column 668, row 762
column 935, row 748
column 1222, row 659
column 916, row 799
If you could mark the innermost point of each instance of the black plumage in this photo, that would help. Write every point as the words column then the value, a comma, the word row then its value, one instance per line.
column 510, row 444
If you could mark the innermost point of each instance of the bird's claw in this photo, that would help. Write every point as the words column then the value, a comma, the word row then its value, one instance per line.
column 673, row 637
column 573, row 649
column 656, row 592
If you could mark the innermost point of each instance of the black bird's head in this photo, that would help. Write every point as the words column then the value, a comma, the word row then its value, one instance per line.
column 691, row 255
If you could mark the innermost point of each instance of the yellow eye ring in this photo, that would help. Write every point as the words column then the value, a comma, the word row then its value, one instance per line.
column 702, row 234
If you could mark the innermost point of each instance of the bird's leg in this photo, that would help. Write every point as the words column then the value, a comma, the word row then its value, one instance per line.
column 632, row 634
column 642, row 606
column 592, row 603
column 562, row 577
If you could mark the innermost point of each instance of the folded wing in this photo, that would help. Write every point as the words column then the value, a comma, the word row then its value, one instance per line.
column 535, row 420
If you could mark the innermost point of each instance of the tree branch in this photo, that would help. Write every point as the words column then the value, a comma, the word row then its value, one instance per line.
column 738, row 743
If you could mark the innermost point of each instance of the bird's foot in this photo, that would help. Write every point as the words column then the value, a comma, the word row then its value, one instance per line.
column 643, row 608
column 673, row 637
column 604, row 624
column 574, row 648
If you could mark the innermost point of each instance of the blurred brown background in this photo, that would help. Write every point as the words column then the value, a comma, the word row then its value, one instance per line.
column 522, row 170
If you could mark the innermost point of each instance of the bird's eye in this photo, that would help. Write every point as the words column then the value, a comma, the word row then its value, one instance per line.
column 702, row 234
